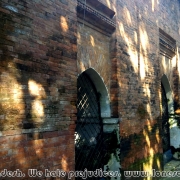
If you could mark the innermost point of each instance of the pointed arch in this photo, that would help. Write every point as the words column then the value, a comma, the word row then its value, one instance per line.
column 95, row 130
column 167, row 131
column 174, row 129
column 92, row 108
column 169, row 94
column 101, row 88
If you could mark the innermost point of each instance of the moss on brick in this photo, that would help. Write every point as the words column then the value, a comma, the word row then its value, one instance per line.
column 139, row 165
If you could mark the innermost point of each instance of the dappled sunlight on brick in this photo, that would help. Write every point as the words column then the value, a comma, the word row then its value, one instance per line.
column 158, row 138
column 148, row 166
column 79, row 37
column 11, row 99
column 93, row 52
column 64, row 163
column 37, row 108
column 40, row 153
column 178, row 56
column 38, row 144
column 142, row 67
column 144, row 49
column 165, row 66
column 64, row 23
column 151, row 152
column 160, row 100
column 123, row 33
column 147, row 138
column 127, row 16
column 158, row 162
column 135, row 37
column 149, row 110
column 144, row 40
column 108, row 3
column 174, row 60
column 33, row 88
column 127, row 50
column 37, row 87
column 147, row 91
column 92, row 40
column 153, row 5
column 134, row 58
column 132, row 51
column 82, row 67
column 37, row 91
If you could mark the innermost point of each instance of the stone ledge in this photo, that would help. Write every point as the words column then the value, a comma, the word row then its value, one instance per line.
column 101, row 7
column 109, row 128
column 93, row 16
column 110, row 120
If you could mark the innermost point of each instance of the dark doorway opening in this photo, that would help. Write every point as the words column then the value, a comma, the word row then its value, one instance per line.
column 165, row 121
column 89, row 136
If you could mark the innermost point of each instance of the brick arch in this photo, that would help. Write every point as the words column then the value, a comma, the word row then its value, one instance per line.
column 174, row 129
column 170, row 103
column 102, row 89
column 109, row 125
column 169, row 93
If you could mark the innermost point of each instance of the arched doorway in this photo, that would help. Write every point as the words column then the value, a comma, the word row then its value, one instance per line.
column 167, row 110
column 165, row 121
column 96, row 133
column 89, row 127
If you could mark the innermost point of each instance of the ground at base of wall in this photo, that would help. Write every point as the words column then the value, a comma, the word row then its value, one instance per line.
column 173, row 165
column 146, row 165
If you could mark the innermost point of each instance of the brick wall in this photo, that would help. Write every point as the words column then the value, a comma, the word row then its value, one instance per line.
column 38, row 74
column 38, row 50
column 93, row 52
column 140, row 71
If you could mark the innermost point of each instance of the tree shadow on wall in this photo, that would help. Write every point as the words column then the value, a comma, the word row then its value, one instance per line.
column 139, row 86
column 27, row 106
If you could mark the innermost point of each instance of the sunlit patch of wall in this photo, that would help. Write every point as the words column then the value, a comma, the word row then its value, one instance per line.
column 147, row 61
column 151, row 148
column 144, row 49
column 131, row 47
column 37, row 92
column 148, row 149
column 109, row 3
column 38, row 84
column 64, row 23
column 178, row 57
column 145, row 40
column 81, row 64
column 178, row 66
column 127, row 16
column 155, row 4
column 64, row 163
column 11, row 99
column 93, row 52
column 166, row 66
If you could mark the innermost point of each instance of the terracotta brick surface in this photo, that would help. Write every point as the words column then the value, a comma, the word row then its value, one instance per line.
column 37, row 51
column 43, row 49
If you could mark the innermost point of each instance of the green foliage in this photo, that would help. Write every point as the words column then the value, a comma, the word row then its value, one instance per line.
column 138, row 165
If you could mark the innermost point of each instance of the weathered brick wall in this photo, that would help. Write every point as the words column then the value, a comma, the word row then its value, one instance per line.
column 37, row 84
column 38, row 74
column 93, row 52
column 139, row 78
